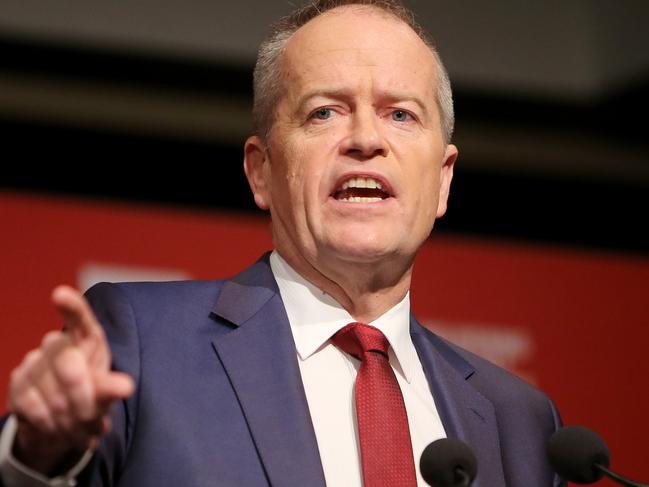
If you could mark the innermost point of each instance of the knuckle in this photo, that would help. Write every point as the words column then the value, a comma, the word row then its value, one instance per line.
column 58, row 404
column 70, row 369
column 31, row 369
column 30, row 402
column 38, row 418
column 35, row 373
column 50, row 338
column 84, row 403
column 18, row 402
column 32, row 358
column 31, row 409
column 16, row 381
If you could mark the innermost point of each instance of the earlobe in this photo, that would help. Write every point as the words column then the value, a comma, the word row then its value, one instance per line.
column 256, row 167
column 446, row 176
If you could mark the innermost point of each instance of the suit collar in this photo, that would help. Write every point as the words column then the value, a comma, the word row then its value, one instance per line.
column 465, row 412
column 246, row 293
column 259, row 357
column 315, row 317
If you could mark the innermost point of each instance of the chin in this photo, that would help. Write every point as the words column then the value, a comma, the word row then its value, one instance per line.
column 355, row 251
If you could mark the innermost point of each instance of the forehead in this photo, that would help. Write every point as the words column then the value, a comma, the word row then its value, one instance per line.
column 358, row 42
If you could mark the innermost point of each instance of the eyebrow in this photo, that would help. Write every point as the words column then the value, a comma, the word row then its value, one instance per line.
column 343, row 93
column 397, row 96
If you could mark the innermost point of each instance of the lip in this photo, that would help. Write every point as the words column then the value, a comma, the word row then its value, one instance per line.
column 366, row 209
column 386, row 187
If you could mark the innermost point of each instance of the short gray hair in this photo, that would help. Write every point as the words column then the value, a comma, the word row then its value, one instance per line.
column 268, row 80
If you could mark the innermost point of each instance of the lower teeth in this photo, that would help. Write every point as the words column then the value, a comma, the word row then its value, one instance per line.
column 360, row 199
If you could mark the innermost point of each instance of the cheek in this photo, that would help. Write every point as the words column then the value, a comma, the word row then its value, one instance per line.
column 426, row 179
column 285, row 171
column 427, row 182
column 308, row 173
column 293, row 179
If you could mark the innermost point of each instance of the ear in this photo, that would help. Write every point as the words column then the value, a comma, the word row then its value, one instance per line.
column 257, row 168
column 446, row 176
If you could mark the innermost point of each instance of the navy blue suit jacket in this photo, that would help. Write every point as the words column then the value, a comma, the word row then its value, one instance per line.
column 219, row 399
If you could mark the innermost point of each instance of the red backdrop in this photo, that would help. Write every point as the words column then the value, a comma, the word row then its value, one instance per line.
column 573, row 322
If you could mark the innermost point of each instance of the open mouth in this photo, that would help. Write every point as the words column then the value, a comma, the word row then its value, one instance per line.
column 361, row 189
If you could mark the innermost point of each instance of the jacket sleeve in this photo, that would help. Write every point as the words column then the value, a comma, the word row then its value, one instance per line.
column 558, row 424
column 116, row 315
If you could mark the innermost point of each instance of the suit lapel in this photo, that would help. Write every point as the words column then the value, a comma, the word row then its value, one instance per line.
column 464, row 411
column 260, row 359
column 259, row 356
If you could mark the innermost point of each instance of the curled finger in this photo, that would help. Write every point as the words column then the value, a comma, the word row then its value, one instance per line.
column 31, row 409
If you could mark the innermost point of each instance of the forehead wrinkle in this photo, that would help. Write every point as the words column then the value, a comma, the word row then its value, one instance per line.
column 385, row 95
column 397, row 96
column 381, row 90
column 328, row 62
column 313, row 49
column 335, row 93
column 318, row 49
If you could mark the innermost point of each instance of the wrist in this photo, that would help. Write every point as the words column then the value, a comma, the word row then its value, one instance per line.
column 13, row 472
column 48, row 454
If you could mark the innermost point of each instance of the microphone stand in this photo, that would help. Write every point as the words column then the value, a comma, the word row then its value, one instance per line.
column 463, row 478
column 618, row 478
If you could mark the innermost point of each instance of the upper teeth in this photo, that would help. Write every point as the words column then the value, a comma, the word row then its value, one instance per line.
column 362, row 183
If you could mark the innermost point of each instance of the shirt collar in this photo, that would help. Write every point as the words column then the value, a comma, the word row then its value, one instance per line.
column 315, row 316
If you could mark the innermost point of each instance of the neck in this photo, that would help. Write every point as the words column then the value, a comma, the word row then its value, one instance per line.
column 365, row 290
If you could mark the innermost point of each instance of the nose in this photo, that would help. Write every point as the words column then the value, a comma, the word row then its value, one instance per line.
column 365, row 139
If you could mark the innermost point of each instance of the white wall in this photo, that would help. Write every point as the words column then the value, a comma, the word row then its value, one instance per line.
column 572, row 48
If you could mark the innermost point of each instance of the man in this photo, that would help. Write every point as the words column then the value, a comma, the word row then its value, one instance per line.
column 251, row 381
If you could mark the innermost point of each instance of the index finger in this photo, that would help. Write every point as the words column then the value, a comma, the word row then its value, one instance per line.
column 77, row 315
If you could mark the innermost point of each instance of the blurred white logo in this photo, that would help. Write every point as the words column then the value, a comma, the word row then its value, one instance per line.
column 92, row 272
column 508, row 347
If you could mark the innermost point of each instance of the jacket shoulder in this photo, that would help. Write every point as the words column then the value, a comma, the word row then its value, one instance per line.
column 496, row 382
column 502, row 387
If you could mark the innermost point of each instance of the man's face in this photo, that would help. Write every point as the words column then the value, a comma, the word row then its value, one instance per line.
column 356, row 169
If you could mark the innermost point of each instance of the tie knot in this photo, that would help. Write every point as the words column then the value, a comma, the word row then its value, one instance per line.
column 358, row 338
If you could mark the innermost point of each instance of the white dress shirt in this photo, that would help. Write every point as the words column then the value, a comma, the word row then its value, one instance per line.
column 15, row 474
column 329, row 374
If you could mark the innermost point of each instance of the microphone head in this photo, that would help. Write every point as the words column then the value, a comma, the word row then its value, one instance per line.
column 574, row 450
column 442, row 458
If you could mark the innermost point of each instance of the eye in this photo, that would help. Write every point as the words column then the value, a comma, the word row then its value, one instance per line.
column 322, row 113
column 401, row 116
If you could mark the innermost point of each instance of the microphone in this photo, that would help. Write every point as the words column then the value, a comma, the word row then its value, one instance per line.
column 580, row 455
column 448, row 462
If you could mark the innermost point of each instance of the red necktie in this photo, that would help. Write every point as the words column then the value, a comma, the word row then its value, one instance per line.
column 386, row 449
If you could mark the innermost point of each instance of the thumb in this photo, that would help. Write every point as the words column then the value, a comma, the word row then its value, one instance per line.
column 111, row 386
